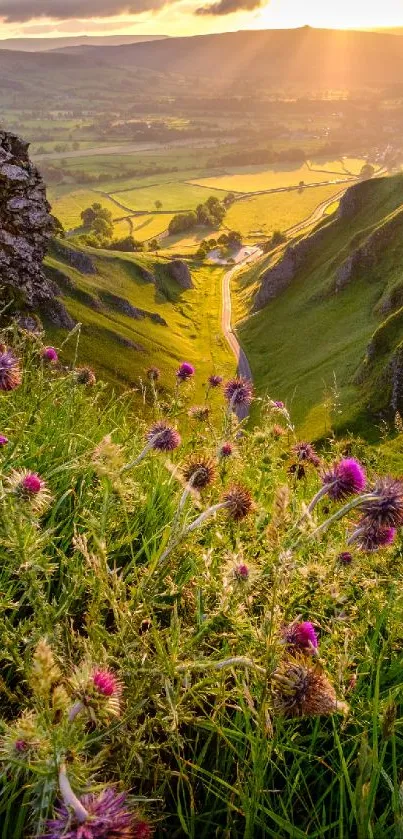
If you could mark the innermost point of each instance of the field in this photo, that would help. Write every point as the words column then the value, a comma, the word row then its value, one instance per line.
column 174, row 196
column 193, row 318
column 68, row 204
column 256, row 179
column 260, row 216
column 342, row 166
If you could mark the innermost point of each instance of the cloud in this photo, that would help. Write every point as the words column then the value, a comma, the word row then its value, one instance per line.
column 20, row 11
column 228, row 7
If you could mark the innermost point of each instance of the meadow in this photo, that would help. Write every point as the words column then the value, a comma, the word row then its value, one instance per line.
column 174, row 196
column 67, row 204
column 234, row 671
column 259, row 178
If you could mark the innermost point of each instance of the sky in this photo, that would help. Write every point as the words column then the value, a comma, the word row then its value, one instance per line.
column 37, row 18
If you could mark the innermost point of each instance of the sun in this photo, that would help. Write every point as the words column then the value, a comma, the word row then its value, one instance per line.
column 345, row 14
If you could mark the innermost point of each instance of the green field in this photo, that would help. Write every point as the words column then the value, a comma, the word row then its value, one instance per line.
column 174, row 196
column 193, row 317
column 68, row 204
column 260, row 216
column 147, row 227
column 342, row 165
column 257, row 178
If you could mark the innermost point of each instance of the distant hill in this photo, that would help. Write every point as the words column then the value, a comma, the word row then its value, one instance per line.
column 46, row 44
column 328, row 321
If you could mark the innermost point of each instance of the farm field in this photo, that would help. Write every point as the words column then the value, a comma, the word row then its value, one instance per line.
column 146, row 227
column 256, row 179
column 344, row 165
column 174, row 196
column 68, row 205
column 260, row 216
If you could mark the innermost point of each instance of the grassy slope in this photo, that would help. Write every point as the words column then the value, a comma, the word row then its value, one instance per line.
column 193, row 317
column 306, row 341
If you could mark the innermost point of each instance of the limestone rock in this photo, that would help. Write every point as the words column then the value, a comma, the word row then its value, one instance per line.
column 179, row 271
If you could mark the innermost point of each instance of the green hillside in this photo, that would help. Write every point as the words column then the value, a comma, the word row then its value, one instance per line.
column 177, row 325
column 328, row 342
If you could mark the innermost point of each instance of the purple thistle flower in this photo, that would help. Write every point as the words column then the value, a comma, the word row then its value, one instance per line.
column 241, row 572
column 374, row 537
column 385, row 508
column 215, row 381
column 107, row 816
column 226, row 450
column 3, row 441
column 31, row 484
column 163, row 437
column 106, row 683
column 345, row 558
column 301, row 635
column 50, row 354
column 345, row 478
column 306, row 453
column 239, row 391
column 278, row 404
column 185, row 371
column 21, row 746
column 10, row 373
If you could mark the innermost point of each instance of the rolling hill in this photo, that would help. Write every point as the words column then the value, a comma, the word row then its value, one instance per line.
column 321, row 320
column 46, row 44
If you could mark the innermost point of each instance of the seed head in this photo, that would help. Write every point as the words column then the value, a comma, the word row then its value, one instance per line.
column 109, row 817
column 301, row 636
column 238, row 501
column 199, row 412
column 278, row 431
column 153, row 374
column 49, row 354
column 199, row 471
column 345, row 478
column 305, row 453
column 215, row 381
column 386, row 507
column 10, row 371
column 301, row 689
column 239, row 391
column 85, row 376
column 186, row 371
column 163, row 437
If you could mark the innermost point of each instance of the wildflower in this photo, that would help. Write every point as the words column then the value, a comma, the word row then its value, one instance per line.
column 301, row 635
column 199, row 412
column 10, row 372
column 385, row 507
column 278, row 431
column 305, row 453
column 153, row 374
column 371, row 537
column 241, row 572
column 239, row 391
column 94, row 816
column 30, row 488
column 215, row 381
column 3, row 441
column 50, row 354
column 186, row 371
column 345, row 558
column 98, row 690
column 238, row 501
column 21, row 746
column 278, row 404
column 301, row 689
column 345, row 478
column 85, row 376
column 163, row 437
column 21, row 737
column 199, row 471
column 226, row 450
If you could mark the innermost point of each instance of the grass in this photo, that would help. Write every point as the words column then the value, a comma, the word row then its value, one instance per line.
column 174, row 196
column 260, row 216
column 307, row 344
column 255, row 179
column 146, row 227
column 200, row 740
column 68, row 204
column 121, row 347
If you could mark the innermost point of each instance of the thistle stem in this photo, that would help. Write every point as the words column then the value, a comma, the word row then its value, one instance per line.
column 315, row 500
column 241, row 661
column 361, row 499
column 69, row 798
column 355, row 535
column 193, row 526
column 142, row 454
column 75, row 710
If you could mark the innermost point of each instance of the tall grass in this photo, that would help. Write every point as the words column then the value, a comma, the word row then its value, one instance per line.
column 198, row 742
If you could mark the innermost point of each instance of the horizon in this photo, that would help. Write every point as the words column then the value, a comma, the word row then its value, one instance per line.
column 176, row 18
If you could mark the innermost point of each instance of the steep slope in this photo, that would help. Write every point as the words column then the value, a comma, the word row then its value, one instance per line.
column 324, row 323
column 136, row 312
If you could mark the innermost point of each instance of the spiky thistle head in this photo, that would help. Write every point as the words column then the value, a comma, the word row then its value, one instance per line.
column 278, row 430
column 50, row 354
column 163, row 437
column 199, row 470
column 226, row 450
column 300, row 688
column 3, row 441
column 301, row 635
column 153, row 374
column 241, row 572
column 345, row 478
column 199, row 412
column 215, row 381
column 239, row 391
column 372, row 537
column 98, row 690
column 185, row 371
column 85, row 376
column 238, row 501
column 306, row 453
column 385, row 508
column 10, row 371
column 29, row 488
column 108, row 817
column 345, row 558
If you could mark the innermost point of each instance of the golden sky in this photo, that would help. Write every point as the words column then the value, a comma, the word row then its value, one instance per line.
column 184, row 17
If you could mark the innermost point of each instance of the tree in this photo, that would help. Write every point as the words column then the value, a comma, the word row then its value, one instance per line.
column 234, row 239
column 153, row 245
column 367, row 171
column 158, row 205
column 102, row 227
column 88, row 216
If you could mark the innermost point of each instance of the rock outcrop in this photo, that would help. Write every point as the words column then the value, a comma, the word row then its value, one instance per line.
column 26, row 225
column 365, row 256
column 122, row 305
column 75, row 258
column 179, row 271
